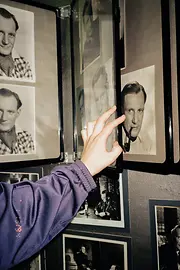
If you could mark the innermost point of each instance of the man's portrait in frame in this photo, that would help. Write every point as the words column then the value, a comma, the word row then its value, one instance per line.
column 17, row 54
column 138, row 104
column 17, row 120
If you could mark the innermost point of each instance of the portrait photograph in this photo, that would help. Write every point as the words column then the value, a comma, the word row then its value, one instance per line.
column 105, row 206
column 17, row 122
column 165, row 230
column 95, row 253
column 138, row 105
column 17, row 51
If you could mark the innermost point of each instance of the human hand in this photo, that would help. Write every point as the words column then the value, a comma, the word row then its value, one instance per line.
column 95, row 155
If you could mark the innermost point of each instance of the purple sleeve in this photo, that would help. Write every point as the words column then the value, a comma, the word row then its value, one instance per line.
column 31, row 214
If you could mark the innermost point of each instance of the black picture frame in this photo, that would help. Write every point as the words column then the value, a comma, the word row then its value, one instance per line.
column 43, row 154
column 164, row 216
column 115, row 187
column 103, row 248
column 82, row 102
column 162, row 161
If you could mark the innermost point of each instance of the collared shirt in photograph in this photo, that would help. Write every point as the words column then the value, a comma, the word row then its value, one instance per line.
column 21, row 70
column 142, row 145
column 24, row 144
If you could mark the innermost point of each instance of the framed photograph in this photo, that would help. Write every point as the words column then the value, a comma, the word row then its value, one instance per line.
column 94, row 65
column 83, row 251
column 30, row 83
column 106, row 206
column 146, row 89
column 165, row 232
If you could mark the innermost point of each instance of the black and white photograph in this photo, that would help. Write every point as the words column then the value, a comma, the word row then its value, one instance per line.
column 17, row 121
column 138, row 105
column 165, row 229
column 31, row 174
column 122, row 34
column 105, row 205
column 16, row 177
column 17, row 52
column 38, row 36
column 82, row 252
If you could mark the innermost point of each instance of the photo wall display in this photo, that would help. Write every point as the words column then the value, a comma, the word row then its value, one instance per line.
column 96, row 252
column 30, row 83
column 146, row 88
column 105, row 207
column 165, row 234
column 94, row 67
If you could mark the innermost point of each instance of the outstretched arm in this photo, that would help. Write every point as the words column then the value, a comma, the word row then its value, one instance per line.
column 31, row 214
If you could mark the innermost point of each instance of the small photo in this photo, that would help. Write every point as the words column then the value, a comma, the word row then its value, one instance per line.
column 105, row 205
column 16, row 177
column 17, row 53
column 82, row 252
column 165, row 223
column 17, row 120
column 138, row 105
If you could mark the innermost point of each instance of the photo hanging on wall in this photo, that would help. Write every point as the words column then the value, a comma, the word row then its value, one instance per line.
column 98, row 252
column 94, row 66
column 30, row 83
column 165, row 234
column 105, row 206
column 146, row 90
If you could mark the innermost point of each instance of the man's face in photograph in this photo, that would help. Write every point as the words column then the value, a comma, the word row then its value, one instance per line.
column 8, row 112
column 7, row 35
column 134, row 112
